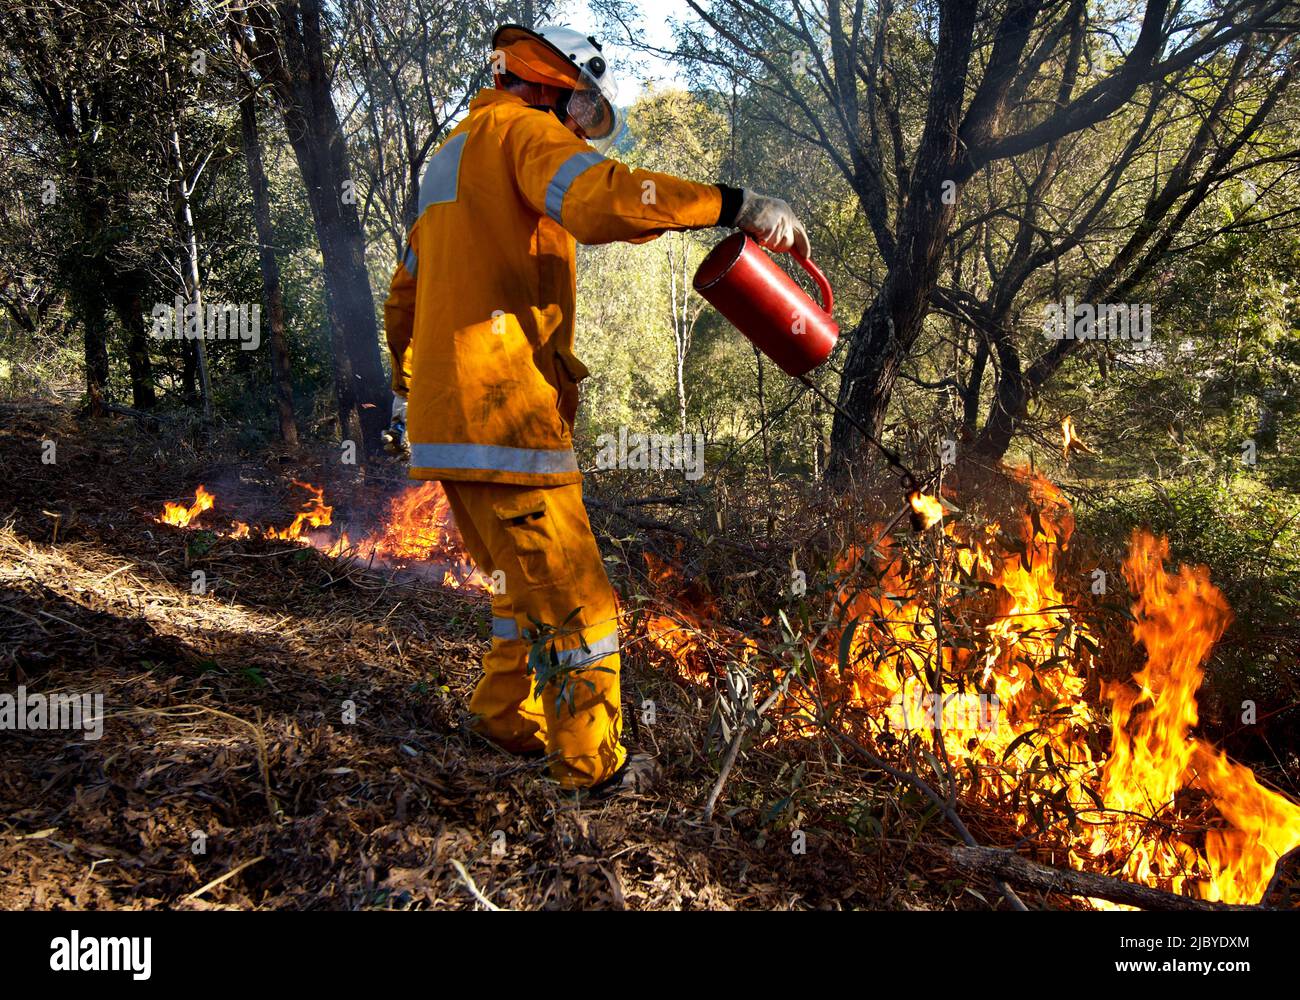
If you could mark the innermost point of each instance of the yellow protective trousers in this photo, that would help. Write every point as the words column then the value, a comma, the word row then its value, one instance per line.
column 537, row 544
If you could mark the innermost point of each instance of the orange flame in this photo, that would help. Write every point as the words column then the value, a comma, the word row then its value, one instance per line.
column 418, row 531
column 1015, row 708
column 180, row 515
column 419, row 528
column 1153, row 757
column 928, row 509
column 419, row 524
column 315, row 514
column 1070, row 438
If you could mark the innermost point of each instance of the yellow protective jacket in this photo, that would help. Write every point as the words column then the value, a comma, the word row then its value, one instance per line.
column 479, row 319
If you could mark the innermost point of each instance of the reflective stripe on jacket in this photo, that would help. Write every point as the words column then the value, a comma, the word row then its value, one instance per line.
column 479, row 319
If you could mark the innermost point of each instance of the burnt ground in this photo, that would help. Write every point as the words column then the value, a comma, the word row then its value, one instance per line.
column 225, row 727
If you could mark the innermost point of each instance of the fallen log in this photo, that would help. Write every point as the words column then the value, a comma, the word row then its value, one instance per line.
column 1281, row 893
column 994, row 862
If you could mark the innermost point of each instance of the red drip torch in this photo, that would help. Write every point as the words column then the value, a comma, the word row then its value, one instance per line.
column 744, row 284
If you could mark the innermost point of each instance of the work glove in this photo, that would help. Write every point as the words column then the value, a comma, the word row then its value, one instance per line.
column 772, row 222
column 394, row 436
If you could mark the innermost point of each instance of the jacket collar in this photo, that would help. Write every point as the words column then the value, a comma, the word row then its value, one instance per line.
column 489, row 96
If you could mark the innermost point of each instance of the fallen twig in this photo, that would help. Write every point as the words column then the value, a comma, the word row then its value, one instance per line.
column 222, row 878
column 474, row 890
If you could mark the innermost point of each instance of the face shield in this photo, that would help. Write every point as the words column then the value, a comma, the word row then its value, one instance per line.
column 592, row 108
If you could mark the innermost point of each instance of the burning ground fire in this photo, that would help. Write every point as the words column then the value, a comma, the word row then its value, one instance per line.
column 180, row 515
column 417, row 532
column 1022, row 711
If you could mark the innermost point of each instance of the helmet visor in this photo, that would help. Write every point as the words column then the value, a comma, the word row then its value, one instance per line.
column 592, row 107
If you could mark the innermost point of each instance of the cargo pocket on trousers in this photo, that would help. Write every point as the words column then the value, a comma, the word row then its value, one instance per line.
column 530, row 527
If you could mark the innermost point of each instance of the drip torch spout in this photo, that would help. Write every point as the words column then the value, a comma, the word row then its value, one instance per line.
column 910, row 482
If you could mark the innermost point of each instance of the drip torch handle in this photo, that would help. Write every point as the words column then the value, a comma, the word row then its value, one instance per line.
column 823, row 286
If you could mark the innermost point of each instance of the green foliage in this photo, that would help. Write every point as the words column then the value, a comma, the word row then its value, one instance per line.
column 1249, row 535
column 550, row 671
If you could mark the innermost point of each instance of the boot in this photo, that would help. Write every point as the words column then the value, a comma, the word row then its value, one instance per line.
column 638, row 775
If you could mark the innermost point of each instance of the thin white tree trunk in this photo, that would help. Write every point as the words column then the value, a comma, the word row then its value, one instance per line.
column 680, row 332
column 195, row 283
column 185, row 188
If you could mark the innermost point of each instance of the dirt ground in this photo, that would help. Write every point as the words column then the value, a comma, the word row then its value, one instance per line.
column 227, row 776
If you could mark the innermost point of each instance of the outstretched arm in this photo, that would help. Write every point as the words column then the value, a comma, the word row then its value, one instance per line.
column 600, row 200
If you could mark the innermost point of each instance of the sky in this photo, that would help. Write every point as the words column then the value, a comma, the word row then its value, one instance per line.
column 654, row 22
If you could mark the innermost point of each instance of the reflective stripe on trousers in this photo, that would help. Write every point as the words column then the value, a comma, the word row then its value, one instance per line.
column 507, row 629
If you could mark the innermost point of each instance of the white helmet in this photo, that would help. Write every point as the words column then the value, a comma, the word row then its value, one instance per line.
column 592, row 103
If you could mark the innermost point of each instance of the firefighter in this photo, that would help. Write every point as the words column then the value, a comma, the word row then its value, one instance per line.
column 479, row 322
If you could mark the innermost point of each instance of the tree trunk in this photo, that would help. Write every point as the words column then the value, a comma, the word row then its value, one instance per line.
column 189, row 235
column 819, row 442
column 681, row 321
column 94, row 323
column 1010, row 398
column 311, row 121
column 129, row 306
column 891, row 324
column 189, row 374
column 193, row 278
column 974, row 386
column 281, row 380
column 762, row 417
